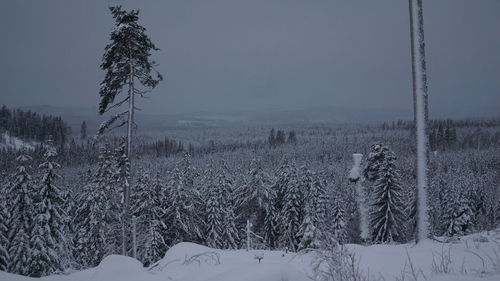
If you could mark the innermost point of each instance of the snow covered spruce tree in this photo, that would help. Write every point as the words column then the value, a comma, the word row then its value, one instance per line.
column 316, row 201
column 308, row 235
column 126, row 61
column 149, row 206
column 219, row 201
column 214, row 214
column 387, row 216
column 183, row 200
column 313, row 208
column 96, row 220
column 293, row 210
column 21, row 221
column 47, row 236
column 338, row 222
column 4, row 229
column 254, row 197
column 230, row 235
column 457, row 215
column 271, row 221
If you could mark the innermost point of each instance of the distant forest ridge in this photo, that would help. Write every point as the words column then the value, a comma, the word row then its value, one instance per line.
column 32, row 126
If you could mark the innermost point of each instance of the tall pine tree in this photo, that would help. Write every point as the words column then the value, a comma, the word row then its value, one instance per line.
column 127, row 63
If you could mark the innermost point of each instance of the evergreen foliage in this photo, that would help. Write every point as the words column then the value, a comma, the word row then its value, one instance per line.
column 21, row 210
column 29, row 125
column 215, row 214
column 96, row 219
column 457, row 217
column 338, row 223
column 47, row 236
column 4, row 229
column 126, row 58
column 150, row 210
column 293, row 209
column 387, row 216
column 308, row 235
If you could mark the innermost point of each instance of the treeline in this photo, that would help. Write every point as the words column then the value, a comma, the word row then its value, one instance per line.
column 28, row 125
column 435, row 123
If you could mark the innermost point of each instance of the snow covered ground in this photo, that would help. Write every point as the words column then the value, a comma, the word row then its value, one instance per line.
column 473, row 257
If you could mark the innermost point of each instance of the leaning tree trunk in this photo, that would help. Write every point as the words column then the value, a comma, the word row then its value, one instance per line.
column 421, row 113
column 126, row 184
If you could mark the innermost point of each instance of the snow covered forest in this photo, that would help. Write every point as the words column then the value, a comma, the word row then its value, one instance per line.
column 292, row 185
column 219, row 197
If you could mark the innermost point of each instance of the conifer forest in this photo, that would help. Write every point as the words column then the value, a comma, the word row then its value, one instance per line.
column 127, row 191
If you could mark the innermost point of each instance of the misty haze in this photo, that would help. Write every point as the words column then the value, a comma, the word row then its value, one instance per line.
column 250, row 140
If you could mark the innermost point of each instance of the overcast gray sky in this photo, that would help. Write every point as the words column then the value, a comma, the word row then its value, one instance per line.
column 219, row 56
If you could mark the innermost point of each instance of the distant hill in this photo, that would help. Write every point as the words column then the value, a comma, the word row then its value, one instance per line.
column 74, row 116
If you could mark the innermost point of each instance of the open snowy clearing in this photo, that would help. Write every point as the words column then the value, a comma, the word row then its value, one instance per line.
column 473, row 257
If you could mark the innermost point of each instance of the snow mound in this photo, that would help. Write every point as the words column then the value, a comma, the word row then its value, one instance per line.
column 193, row 262
column 471, row 257
column 116, row 267
column 184, row 250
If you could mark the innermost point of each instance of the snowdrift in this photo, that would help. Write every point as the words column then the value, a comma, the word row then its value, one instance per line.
column 473, row 257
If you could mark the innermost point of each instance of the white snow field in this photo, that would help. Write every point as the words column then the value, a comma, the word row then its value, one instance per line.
column 473, row 257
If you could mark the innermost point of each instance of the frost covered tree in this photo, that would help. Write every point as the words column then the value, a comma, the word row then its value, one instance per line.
column 457, row 217
column 219, row 204
column 4, row 229
column 387, row 215
column 254, row 196
column 183, row 200
column 271, row 223
column 127, row 63
column 188, row 172
column 317, row 201
column 149, row 207
column 47, row 236
column 214, row 214
column 21, row 221
column 375, row 158
column 90, row 238
column 224, row 182
column 293, row 210
column 96, row 219
column 421, row 113
column 308, row 235
column 338, row 223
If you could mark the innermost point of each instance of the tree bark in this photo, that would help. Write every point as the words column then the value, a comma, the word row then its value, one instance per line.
column 421, row 113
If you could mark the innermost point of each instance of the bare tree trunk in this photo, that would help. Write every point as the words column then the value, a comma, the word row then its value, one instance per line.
column 421, row 113
column 126, row 187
